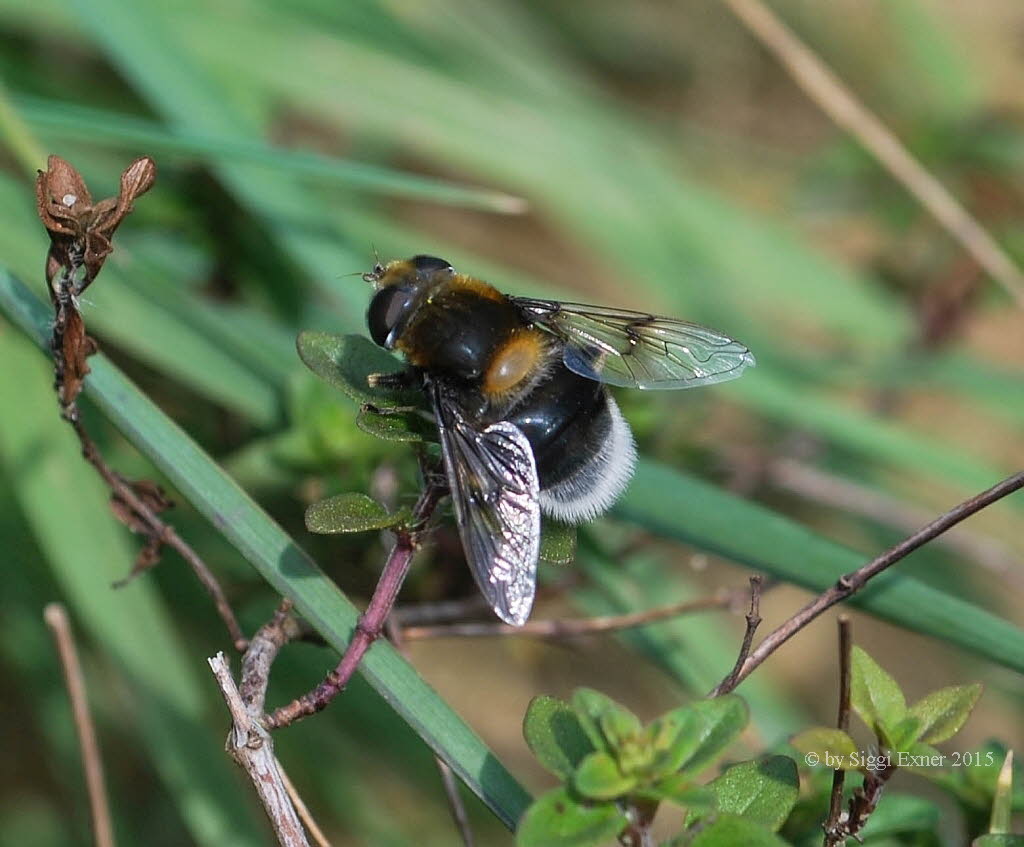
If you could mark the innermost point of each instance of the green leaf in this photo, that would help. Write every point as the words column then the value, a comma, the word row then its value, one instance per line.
column 943, row 712
column 590, row 707
column 763, row 791
column 557, row 819
column 729, row 831
column 557, row 542
column 722, row 719
column 905, row 733
column 998, row 841
column 554, row 735
column 901, row 813
column 396, row 426
column 352, row 512
column 281, row 562
column 832, row 747
column 674, row 739
column 678, row 790
column 346, row 362
column 598, row 776
column 920, row 758
column 874, row 695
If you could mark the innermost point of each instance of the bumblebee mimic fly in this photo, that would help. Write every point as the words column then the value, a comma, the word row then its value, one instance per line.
column 519, row 392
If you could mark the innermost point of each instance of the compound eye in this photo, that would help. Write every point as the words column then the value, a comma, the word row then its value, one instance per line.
column 389, row 309
column 430, row 264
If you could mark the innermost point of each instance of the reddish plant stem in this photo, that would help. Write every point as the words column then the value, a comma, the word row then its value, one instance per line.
column 851, row 583
column 371, row 622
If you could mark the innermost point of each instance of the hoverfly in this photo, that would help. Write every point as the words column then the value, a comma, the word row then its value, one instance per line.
column 518, row 388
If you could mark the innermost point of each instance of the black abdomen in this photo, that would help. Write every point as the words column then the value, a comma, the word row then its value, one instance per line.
column 567, row 421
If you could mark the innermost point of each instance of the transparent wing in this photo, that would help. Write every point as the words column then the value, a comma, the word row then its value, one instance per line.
column 637, row 350
column 493, row 480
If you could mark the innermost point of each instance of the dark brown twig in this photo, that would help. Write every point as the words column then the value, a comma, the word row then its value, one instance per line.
column 151, row 524
column 852, row 582
column 753, row 622
column 56, row 618
column 371, row 623
column 834, row 823
column 569, row 627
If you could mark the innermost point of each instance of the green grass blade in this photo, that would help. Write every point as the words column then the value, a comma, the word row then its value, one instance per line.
column 282, row 563
column 70, row 122
column 678, row 506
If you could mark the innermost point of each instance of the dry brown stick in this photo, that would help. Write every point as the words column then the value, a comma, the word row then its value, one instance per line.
column 251, row 746
column 851, row 583
column 833, row 823
column 56, row 618
column 122, row 489
column 753, row 622
column 570, row 627
column 837, row 101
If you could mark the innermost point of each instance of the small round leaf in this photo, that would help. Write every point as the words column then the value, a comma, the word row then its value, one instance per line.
column 554, row 734
column 405, row 426
column 346, row 361
column 351, row 513
column 557, row 542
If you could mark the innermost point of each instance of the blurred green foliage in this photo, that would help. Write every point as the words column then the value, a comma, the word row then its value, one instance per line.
column 665, row 162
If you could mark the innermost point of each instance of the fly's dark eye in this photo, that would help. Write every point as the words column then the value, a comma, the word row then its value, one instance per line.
column 389, row 309
column 429, row 264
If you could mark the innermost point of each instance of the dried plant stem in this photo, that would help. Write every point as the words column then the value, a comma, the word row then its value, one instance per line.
column 570, row 627
column 753, row 622
column 371, row 623
column 834, row 823
column 835, row 99
column 251, row 746
column 163, row 532
column 851, row 583
column 56, row 618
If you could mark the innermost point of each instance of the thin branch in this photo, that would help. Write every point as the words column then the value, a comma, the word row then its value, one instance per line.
column 56, row 618
column 852, row 582
column 371, row 623
column 834, row 822
column 753, row 622
column 251, row 746
column 838, row 102
column 122, row 490
column 570, row 627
